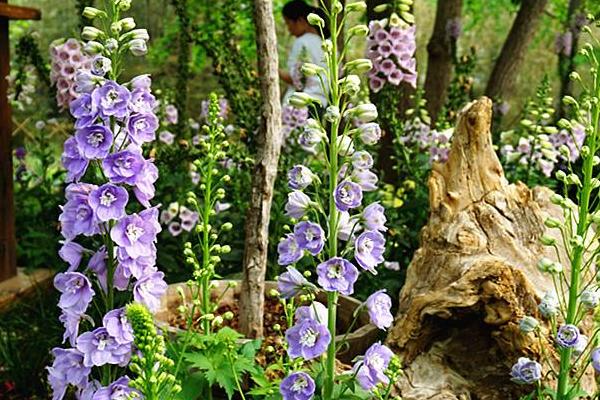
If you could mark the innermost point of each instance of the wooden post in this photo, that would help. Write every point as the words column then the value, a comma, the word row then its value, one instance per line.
column 8, row 257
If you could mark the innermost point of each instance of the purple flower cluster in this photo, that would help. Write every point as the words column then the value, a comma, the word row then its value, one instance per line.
column 187, row 219
column 223, row 108
column 292, row 120
column 526, row 371
column 112, row 122
column 370, row 372
column 436, row 143
column 67, row 58
column 392, row 51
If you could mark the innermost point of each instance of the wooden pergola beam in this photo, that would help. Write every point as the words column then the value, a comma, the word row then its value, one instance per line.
column 8, row 248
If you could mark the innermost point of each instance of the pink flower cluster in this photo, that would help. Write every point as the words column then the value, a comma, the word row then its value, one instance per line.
column 392, row 51
column 67, row 58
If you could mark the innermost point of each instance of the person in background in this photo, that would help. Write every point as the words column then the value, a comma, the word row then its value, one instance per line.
column 306, row 48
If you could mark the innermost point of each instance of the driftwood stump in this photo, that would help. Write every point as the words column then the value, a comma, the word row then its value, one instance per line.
column 475, row 275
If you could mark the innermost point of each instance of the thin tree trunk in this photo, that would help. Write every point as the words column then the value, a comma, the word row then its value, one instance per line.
column 441, row 54
column 268, row 147
column 566, row 62
column 515, row 48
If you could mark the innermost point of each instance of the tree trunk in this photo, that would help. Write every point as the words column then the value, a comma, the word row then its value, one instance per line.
column 474, row 276
column 566, row 62
column 441, row 51
column 515, row 48
column 268, row 147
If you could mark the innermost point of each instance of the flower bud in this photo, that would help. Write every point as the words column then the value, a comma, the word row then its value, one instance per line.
column 381, row 8
column 560, row 175
column 310, row 69
column 528, row 324
column 552, row 223
column 574, row 76
column 548, row 240
column 116, row 28
column 359, row 6
column 548, row 307
column 218, row 321
column 595, row 160
column 350, row 84
column 225, row 249
column 589, row 298
column 544, row 264
column 360, row 65
column 337, row 7
column 123, row 5
column 573, row 179
column 327, row 46
column 138, row 47
column 315, row 20
column 364, row 112
column 91, row 33
column 274, row 293
column 555, row 268
column 127, row 24
column 227, row 226
column 358, row 30
column 301, row 99
column 93, row 48
column 557, row 199
column 277, row 327
column 111, row 45
column 576, row 241
column 332, row 113
column 564, row 124
column 93, row 13
column 228, row 316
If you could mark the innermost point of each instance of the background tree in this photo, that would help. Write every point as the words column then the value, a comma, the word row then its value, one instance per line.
column 268, row 146
column 441, row 51
column 515, row 47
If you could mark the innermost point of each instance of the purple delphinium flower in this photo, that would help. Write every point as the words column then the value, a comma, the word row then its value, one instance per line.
column 297, row 386
column 108, row 202
column 142, row 101
column 369, row 133
column 289, row 250
column 310, row 237
column 67, row 369
column 143, row 82
column 124, row 166
column 119, row 389
column 171, row 113
column 136, row 267
column 292, row 283
column 142, row 127
column 135, row 234
column 166, row 137
column 77, row 217
column 99, row 348
column 299, row 177
column 307, row 339
column 337, row 274
column 362, row 160
column 348, row 226
column 70, row 321
column 371, row 370
column 117, row 326
column 101, row 65
column 373, row 217
column 379, row 305
column 526, row 371
column 297, row 205
column 315, row 311
column 97, row 264
column 144, row 186
column 366, row 179
column 111, row 99
column 81, row 109
column 94, row 141
column 347, row 195
column 76, row 289
column 149, row 289
column 567, row 336
column 73, row 161
column 368, row 250
column 71, row 253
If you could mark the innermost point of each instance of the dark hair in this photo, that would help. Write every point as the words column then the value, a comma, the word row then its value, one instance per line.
column 298, row 9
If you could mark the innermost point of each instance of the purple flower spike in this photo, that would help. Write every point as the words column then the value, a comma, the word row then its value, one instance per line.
column 292, row 283
column 337, row 274
column 526, row 371
column 108, row 202
column 297, row 386
column 348, row 195
column 371, row 370
column 369, row 249
column 99, row 348
column 289, row 250
column 76, row 291
column 568, row 336
column 379, row 305
column 307, row 339
column 310, row 237
column 149, row 290
column 94, row 141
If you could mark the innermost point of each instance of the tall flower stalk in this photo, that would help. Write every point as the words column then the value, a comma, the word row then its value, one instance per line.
column 327, row 223
column 106, row 170
column 577, row 293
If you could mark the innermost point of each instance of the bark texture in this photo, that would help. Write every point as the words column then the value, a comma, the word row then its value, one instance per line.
column 441, row 51
column 514, row 49
column 268, row 149
column 474, row 276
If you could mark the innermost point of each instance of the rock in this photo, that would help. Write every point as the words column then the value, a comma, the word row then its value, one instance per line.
column 474, row 276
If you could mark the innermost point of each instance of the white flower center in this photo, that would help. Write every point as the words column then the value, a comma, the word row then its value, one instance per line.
column 134, row 232
column 110, row 99
column 335, row 271
column 299, row 385
column 107, row 198
column 95, row 139
column 141, row 125
column 366, row 246
column 308, row 337
column 376, row 362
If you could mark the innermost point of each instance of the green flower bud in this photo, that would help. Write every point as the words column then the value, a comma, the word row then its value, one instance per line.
column 360, row 65
column 573, row 179
column 548, row 240
column 359, row 30
column 228, row 316
column 359, row 6
column 544, row 264
column 327, row 46
column 277, row 327
column 309, row 69
column 227, row 226
column 274, row 293
column 528, row 324
column 116, row 28
column 552, row 223
column 576, row 241
column 92, row 48
column 336, row 7
column 315, row 20
column 301, row 99
column 564, row 124
column 218, row 321
column 557, row 199
column 226, row 249
column 91, row 33
column 93, row 13
column 560, row 175
column 381, row 8
column 127, row 24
